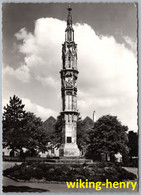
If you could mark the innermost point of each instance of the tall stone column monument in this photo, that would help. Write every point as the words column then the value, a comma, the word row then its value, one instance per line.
column 69, row 74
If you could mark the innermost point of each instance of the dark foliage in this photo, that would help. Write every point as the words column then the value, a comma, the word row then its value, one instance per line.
column 49, row 126
column 108, row 137
column 56, row 135
column 82, row 132
column 22, row 129
column 13, row 123
column 36, row 135
column 133, row 144
column 63, row 172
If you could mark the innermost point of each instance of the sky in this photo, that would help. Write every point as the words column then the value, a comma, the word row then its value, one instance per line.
column 106, row 35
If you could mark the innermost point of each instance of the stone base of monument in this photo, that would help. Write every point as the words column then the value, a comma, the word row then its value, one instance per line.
column 69, row 153
column 69, row 150
column 69, row 160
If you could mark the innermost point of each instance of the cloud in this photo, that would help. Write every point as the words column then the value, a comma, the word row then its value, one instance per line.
column 49, row 81
column 131, row 44
column 39, row 111
column 21, row 73
column 107, row 80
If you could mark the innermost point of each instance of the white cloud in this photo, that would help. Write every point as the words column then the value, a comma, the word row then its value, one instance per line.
column 49, row 81
column 22, row 34
column 132, row 44
column 21, row 73
column 107, row 80
column 39, row 111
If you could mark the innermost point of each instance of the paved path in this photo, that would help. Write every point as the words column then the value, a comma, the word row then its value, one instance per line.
column 50, row 187
column 61, row 187
column 132, row 170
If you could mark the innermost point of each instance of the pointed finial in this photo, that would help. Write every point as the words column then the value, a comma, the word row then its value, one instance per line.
column 69, row 8
column 69, row 19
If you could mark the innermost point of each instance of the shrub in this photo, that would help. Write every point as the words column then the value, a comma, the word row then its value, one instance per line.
column 58, row 172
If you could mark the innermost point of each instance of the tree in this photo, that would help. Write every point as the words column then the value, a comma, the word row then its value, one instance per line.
column 80, row 134
column 133, row 144
column 82, row 131
column 108, row 137
column 13, row 122
column 56, row 136
column 36, row 136
column 23, row 129
column 49, row 126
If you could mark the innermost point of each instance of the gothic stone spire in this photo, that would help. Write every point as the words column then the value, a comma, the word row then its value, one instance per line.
column 69, row 30
column 69, row 72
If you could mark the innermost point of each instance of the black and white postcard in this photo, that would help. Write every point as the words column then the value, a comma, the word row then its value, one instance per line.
column 70, row 97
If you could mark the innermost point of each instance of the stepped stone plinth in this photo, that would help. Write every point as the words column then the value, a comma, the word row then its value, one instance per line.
column 75, row 160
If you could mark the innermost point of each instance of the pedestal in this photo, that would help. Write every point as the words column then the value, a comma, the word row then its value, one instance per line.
column 69, row 150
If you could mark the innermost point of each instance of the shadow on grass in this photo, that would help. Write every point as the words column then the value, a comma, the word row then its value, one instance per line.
column 22, row 189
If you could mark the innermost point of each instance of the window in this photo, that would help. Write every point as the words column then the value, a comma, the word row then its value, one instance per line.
column 68, row 139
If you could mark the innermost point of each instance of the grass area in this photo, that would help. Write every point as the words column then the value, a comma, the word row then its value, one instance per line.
column 22, row 189
column 97, row 171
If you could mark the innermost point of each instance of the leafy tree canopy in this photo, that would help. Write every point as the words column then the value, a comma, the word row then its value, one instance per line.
column 56, row 136
column 22, row 129
column 13, row 123
column 82, row 131
column 37, row 136
column 133, row 144
column 108, row 136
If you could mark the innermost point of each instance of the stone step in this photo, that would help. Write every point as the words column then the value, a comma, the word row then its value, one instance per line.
column 73, row 160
